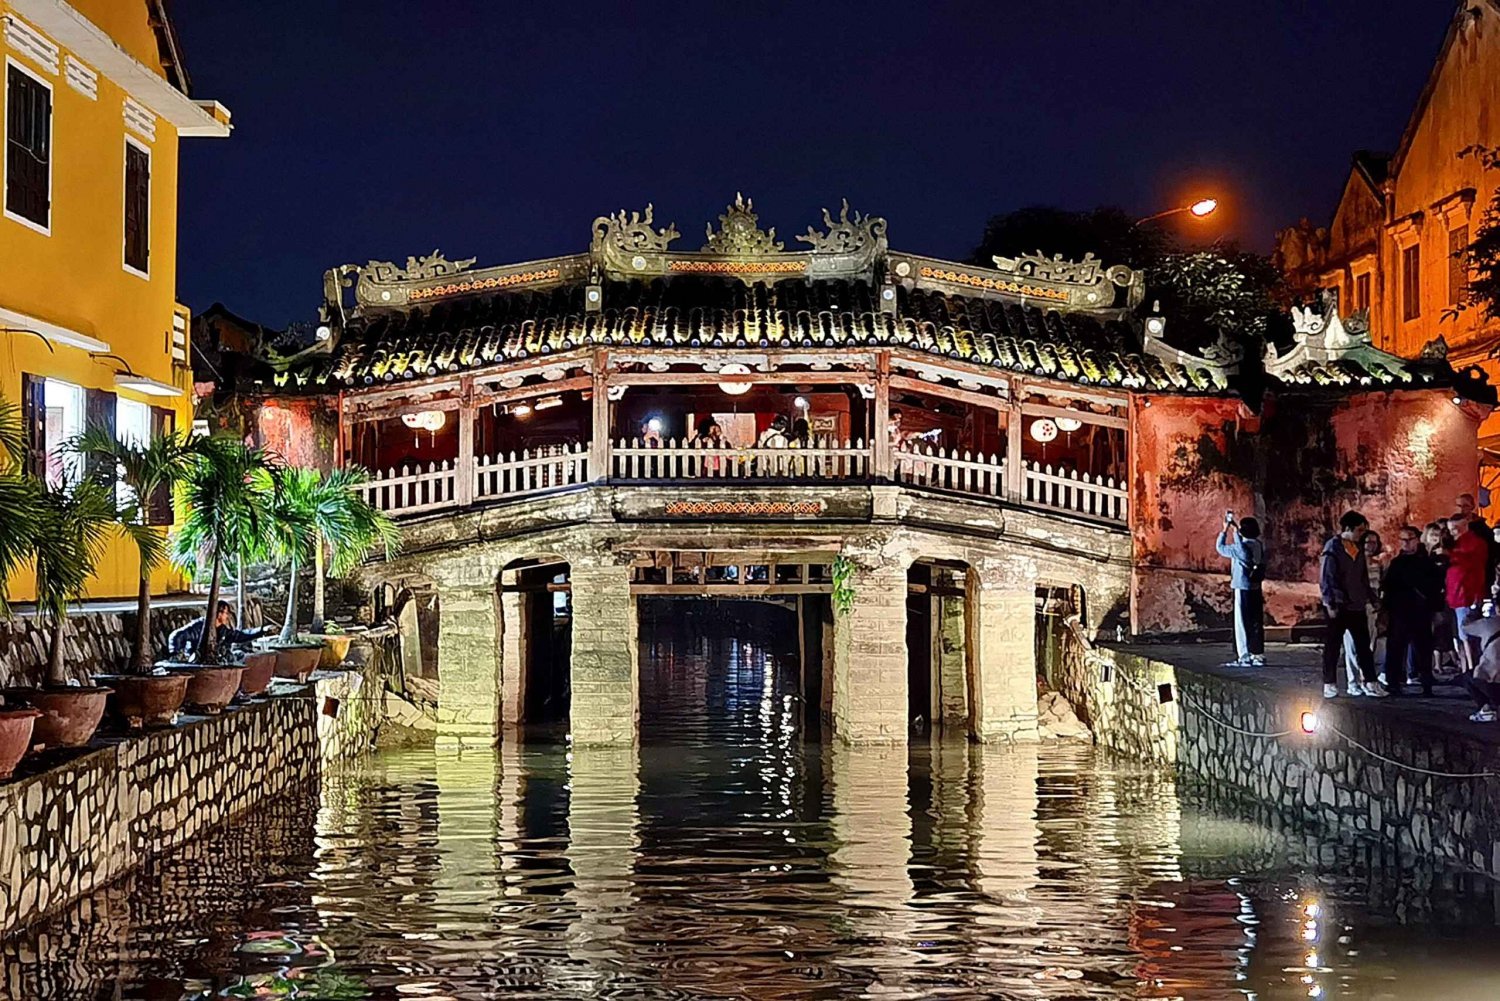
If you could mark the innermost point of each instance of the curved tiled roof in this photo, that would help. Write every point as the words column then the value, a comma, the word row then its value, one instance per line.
column 690, row 311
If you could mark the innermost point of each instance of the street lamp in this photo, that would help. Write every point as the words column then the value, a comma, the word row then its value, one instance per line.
column 1199, row 209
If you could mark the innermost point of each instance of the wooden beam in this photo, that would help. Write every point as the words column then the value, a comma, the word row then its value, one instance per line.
column 483, row 398
column 1103, row 420
column 907, row 384
column 730, row 590
column 754, row 378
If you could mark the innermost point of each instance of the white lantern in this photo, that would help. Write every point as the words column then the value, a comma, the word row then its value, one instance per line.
column 425, row 420
column 1043, row 429
column 1069, row 424
column 734, row 388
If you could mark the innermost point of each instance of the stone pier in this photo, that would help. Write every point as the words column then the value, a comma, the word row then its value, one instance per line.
column 1003, row 632
column 468, row 655
column 605, row 699
column 869, row 658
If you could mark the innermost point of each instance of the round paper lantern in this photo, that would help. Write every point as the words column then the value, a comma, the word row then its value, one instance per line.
column 734, row 388
column 1043, row 429
column 1069, row 424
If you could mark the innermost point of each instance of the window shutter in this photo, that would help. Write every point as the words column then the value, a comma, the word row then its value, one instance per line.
column 137, row 207
column 159, row 505
column 34, row 424
column 99, row 412
column 28, row 147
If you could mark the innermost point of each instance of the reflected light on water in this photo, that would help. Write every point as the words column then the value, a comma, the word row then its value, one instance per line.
column 731, row 855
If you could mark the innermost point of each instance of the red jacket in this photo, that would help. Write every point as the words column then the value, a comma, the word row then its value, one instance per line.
column 1466, row 571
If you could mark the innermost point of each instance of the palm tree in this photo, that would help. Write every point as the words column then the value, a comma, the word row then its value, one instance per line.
column 227, row 495
column 321, row 517
column 146, row 469
column 18, row 498
column 73, row 521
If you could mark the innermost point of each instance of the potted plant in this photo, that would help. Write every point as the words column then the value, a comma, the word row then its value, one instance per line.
column 72, row 523
column 227, row 490
column 346, row 529
column 147, row 470
column 17, row 529
column 322, row 519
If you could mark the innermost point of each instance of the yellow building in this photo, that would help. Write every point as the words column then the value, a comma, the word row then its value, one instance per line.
column 96, row 99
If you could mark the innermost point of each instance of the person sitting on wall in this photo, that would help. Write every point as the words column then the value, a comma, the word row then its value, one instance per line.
column 183, row 643
column 1344, row 586
column 1247, row 569
column 1410, row 593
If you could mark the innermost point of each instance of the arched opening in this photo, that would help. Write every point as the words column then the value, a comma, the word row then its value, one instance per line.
column 939, row 675
column 536, row 619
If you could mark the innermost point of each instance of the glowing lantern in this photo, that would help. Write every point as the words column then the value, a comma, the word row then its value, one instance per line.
column 734, row 388
column 1044, row 429
column 425, row 420
column 1069, row 424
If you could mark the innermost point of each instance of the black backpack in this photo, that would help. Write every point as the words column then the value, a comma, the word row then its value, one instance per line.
column 1258, row 567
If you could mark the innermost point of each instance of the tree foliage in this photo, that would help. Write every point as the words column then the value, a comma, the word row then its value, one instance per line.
column 1483, row 252
column 73, row 521
column 18, row 500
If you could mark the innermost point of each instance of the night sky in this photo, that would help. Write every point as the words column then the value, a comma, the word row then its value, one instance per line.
column 499, row 130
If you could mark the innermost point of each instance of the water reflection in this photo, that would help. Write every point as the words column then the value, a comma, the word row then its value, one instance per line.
column 729, row 857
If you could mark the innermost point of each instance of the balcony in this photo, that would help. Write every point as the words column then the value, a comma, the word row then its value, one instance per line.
column 407, row 491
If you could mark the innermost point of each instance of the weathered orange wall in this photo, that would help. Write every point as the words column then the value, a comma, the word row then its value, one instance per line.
column 1397, row 457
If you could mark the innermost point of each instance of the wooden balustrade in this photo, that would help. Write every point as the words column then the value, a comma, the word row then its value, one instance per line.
column 822, row 459
column 945, row 470
column 1079, row 493
column 522, row 474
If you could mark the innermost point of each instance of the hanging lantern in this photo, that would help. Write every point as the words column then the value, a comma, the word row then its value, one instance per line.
column 1044, row 429
column 425, row 420
column 734, row 388
column 1069, row 424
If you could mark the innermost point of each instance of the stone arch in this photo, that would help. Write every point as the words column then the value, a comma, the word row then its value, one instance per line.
column 536, row 633
column 940, row 673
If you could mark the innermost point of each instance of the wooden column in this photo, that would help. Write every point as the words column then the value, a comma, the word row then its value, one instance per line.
column 881, row 436
column 1015, row 425
column 599, row 433
column 463, row 479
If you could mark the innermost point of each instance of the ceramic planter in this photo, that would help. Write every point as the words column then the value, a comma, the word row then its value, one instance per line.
column 297, row 662
column 210, row 689
column 69, row 715
column 260, row 668
column 15, row 737
column 335, row 648
column 145, row 700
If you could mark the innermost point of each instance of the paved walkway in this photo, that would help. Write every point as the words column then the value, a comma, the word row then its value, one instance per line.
column 1295, row 670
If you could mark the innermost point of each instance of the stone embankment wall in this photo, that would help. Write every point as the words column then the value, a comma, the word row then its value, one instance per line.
column 1216, row 735
column 75, row 827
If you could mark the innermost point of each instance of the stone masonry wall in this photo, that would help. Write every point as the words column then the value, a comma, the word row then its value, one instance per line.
column 75, row 827
column 1210, row 734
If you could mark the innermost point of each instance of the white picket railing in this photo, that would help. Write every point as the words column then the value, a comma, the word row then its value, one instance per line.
column 943, row 470
column 822, row 459
column 526, row 472
column 397, row 491
column 1069, row 490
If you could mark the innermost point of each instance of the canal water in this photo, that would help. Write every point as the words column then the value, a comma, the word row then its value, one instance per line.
column 730, row 856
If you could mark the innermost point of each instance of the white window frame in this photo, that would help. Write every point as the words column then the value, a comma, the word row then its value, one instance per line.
column 71, row 462
column 51, row 141
column 139, row 435
column 124, row 194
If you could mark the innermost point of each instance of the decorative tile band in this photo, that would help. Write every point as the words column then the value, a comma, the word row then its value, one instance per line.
column 744, row 508
column 738, row 267
column 993, row 284
column 500, row 281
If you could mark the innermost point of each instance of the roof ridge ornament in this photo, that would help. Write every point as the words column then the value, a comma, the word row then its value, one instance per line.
column 739, row 232
column 1323, row 336
column 433, row 265
column 632, row 234
column 847, row 236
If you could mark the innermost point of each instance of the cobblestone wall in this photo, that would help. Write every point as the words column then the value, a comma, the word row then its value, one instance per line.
column 1211, row 735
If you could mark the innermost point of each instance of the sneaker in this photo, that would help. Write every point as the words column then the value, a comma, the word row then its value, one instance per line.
column 1257, row 660
column 1330, row 691
column 1485, row 715
column 1354, row 691
column 1375, row 690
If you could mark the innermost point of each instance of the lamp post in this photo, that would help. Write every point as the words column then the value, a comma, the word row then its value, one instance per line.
column 1199, row 209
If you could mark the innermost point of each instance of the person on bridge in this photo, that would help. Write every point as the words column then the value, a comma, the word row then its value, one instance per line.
column 1410, row 594
column 1467, row 585
column 1344, row 586
column 1240, row 543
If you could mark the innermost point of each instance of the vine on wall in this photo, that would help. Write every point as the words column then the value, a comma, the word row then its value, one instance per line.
column 843, row 586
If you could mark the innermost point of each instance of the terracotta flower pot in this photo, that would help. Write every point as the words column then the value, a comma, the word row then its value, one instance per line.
column 335, row 649
column 15, row 737
column 297, row 662
column 143, row 700
column 209, row 689
column 260, row 667
column 69, row 715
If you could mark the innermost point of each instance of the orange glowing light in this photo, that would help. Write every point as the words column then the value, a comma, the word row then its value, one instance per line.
column 1203, row 207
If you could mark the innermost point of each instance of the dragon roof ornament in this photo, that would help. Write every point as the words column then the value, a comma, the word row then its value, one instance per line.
column 847, row 236
column 1323, row 336
column 433, row 265
column 632, row 234
column 740, row 233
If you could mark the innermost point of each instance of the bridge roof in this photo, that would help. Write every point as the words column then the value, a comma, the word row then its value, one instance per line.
column 1070, row 321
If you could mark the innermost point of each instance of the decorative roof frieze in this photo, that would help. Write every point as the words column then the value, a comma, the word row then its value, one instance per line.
column 1330, row 348
column 739, row 233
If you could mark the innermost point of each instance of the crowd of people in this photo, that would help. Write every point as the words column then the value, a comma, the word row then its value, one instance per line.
column 1417, row 617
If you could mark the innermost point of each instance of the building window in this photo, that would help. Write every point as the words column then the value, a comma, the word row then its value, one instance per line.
column 137, row 207
column 1458, row 264
column 133, row 427
column 28, row 148
column 1411, row 282
column 63, row 417
column 1362, row 292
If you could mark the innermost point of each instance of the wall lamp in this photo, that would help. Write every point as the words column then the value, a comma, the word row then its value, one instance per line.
column 135, row 382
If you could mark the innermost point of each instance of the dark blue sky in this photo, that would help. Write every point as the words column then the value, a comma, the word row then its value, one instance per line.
column 499, row 130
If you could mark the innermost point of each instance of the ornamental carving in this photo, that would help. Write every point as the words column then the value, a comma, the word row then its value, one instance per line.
column 633, row 234
column 739, row 235
column 433, row 265
column 846, row 236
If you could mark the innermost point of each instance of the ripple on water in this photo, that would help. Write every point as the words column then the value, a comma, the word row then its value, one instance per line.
column 730, row 856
